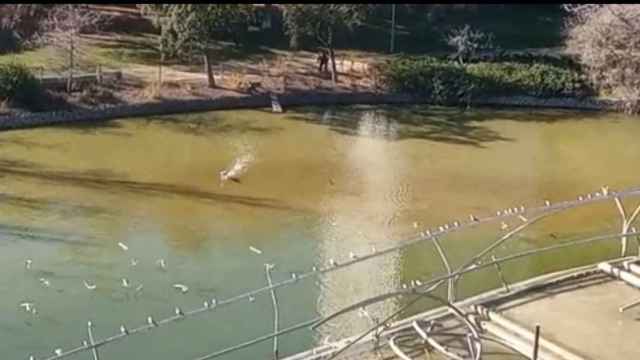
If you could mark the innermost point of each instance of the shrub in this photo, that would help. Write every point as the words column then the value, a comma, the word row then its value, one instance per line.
column 439, row 81
column 9, row 41
column 17, row 84
column 444, row 81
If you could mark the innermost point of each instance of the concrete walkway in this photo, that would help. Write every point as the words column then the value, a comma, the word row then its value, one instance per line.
column 586, row 320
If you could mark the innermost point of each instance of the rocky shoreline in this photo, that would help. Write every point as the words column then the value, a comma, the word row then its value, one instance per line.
column 166, row 107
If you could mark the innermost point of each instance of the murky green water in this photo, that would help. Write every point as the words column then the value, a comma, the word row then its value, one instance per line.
column 321, row 183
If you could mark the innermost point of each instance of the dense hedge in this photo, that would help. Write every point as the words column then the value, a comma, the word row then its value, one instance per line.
column 17, row 84
column 443, row 81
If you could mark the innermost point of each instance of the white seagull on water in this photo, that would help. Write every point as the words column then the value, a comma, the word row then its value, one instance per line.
column 125, row 282
column 89, row 286
column 162, row 264
column 28, row 306
column 255, row 250
column 183, row 288
column 123, row 246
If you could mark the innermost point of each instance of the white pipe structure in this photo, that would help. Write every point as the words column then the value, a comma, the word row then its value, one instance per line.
column 632, row 266
column 623, row 275
column 396, row 350
column 528, row 335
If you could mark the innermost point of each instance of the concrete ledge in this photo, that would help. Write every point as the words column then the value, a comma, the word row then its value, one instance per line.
column 104, row 113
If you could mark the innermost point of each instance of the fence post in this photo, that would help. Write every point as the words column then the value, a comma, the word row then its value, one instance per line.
column 536, row 343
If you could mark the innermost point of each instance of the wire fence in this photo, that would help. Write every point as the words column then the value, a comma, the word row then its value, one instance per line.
column 482, row 260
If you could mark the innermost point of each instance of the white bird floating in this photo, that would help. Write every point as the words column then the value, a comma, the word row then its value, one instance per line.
column 236, row 169
column 178, row 312
column 27, row 264
column 294, row 276
column 134, row 262
column 89, row 286
column 139, row 288
column 352, row 255
column 314, row 268
column 161, row 263
column 441, row 228
column 123, row 330
column 332, row 262
column 58, row 352
column 125, row 282
column 255, row 250
column 547, row 203
column 415, row 224
column 252, row 298
column 605, row 190
column 456, row 224
column 123, row 246
column 498, row 213
column 473, row 218
column 28, row 306
column 151, row 322
column 504, row 226
column 580, row 198
column 45, row 282
column 183, row 288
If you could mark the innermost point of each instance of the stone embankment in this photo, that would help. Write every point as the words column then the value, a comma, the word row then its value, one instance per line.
column 287, row 100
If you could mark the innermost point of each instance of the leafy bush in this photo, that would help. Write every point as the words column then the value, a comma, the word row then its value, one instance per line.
column 444, row 81
column 439, row 81
column 9, row 41
column 17, row 84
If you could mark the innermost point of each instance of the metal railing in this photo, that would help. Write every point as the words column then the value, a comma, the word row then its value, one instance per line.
column 484, row 259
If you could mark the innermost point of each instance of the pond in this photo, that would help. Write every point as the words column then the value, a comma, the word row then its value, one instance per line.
column 319, row 183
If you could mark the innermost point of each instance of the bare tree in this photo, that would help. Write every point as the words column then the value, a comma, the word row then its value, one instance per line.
column 605, row 40
column 467, row 42
column 65, row 24
column 323, row 22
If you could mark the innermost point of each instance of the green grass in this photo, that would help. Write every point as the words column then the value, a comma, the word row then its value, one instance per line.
column 514, row 27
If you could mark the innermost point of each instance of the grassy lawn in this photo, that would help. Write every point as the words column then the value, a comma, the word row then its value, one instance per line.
column 514, row 27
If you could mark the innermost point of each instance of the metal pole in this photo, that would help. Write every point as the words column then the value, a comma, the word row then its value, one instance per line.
column 92, row 341
column 393, row 27
column 267, row 268
column 535, row 343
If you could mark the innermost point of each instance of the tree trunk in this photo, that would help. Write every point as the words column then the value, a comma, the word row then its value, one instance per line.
column 211, row 81
column 71, row 66
column 334, row 70
column 332, row 56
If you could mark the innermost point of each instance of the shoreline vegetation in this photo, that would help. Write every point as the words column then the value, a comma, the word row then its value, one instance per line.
column 520, row 81
column 243, row 75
